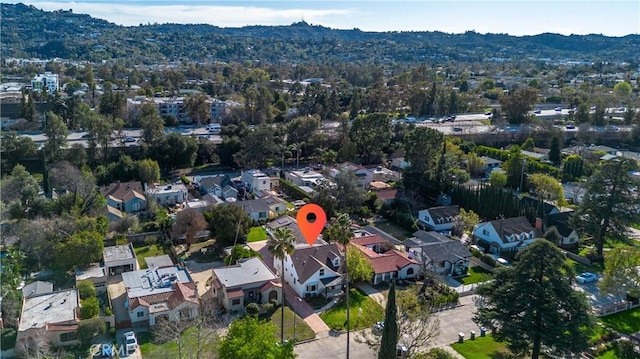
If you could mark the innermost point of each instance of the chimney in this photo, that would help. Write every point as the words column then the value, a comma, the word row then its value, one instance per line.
column 195, row 291
column 539, row 223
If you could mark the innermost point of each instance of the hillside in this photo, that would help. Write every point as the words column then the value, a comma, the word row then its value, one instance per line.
column 30, row 32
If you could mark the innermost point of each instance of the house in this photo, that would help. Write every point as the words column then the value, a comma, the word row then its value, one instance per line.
column 229, row 192
column 168, row 195
column 262, row 208
column 160, row 293
column 37, row 288
column 534, row 155
column 96, row 274
column 248, row 281
column 387, row 264
column 212, row 184
column 439, row 254
column 542, row 208
column 440, row 219
column 291, row 223
column 568, row 236
column 256, row 180
column 506, row 235
column 119, row 259
column 387, row 196
column 399, row 163
column 383, row 174
column 124, row 197
column 489, row 164
column 315, row 270
column 306, row 177
column 45, row 82
column 203, row 203
column 363, row 175
column 51, row 317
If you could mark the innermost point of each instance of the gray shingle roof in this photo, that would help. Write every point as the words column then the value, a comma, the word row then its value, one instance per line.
column 444, row 214
column 308, row 261
column 450, row 251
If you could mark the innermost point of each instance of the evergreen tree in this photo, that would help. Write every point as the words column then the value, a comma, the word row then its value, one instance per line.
column 390, row 329
column 554, row 152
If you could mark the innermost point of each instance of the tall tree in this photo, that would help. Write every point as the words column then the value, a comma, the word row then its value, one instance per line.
column 533, row 304
column 57, row 132
column 15, row 148
column 79, row 250
column 517, row 104
column 554, row 151
column 547, row 188
column 621, row 275
column 474, row 164
column 228, row 223
column 514, row 167
column 188, row 223
column 609, row 205
column 423, row 147
column 198, row 108
column 371, row 134
column 151, row 123
column 281, row 245
column 388, row 346
column 341, row 232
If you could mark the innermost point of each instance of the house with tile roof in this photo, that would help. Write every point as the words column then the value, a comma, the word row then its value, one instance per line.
column 506, row 235
column 166, row 293
column 387, row 264
column 314, row 270
column 124, row 197
column 248, row 281
column 439, row 254
column 440, row 219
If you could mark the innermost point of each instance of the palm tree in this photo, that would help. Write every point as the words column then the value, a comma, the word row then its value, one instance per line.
column 298, row 148
column 280, row 244
column 340, row 231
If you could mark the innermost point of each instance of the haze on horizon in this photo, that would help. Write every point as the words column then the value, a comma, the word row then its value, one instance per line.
column 513, row 17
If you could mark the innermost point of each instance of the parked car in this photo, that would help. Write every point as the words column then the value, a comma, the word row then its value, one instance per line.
column 586, row 277
column 129, row 139
column 401, row 351
column 130, row 342
column 502, row 261
column 378, row 326
column 571, row 127
column 558, row 108
column 537, row 111
column 457, row 129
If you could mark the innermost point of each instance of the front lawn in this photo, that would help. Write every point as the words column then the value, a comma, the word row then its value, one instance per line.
column 169, row 349
column 627, row 322
column 581, row 267
column 393, row 229
column 475, row 275
column 365, row 312
column 144, row 251
column 480, row 348
column 303, row 331
column 256, row 234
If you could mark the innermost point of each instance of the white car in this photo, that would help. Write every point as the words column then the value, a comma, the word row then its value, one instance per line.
column 502, row 261
column 586, row 277
column 130, row 342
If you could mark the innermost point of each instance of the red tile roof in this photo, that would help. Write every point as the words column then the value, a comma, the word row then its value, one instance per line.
column 368, row 240
column 270, row 284
column 389, row 261
column 236, row 293
column 181, row 293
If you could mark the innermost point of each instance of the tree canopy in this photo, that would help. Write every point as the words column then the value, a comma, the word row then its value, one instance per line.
column 250, row 338
column 228, row 223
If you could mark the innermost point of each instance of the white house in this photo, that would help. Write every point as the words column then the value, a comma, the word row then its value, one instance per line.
column 568, row 235
column 249, row 281
column 306, row 177
column 160, row 293
column 315, row 270
column 439, row 219
column 256, row 180
column 387, row 265
column 439, row 254
column 48, row 81
column 262, row 208
column 119, row 259
column 506, row 235
column 363, row 175
column 168, row 195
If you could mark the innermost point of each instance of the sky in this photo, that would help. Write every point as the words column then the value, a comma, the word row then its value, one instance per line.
column 513, row 17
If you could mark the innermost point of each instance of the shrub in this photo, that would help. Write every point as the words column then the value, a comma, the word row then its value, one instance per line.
column 488, row 259
column 268, row 308
column 107, row 311
column 439, row 353
column 150, row 240
column 8, row 338
column 87, row 329
column 90, row 308
column 252, row 309
column 86, row 289
column 167, row 244
column 185, row 180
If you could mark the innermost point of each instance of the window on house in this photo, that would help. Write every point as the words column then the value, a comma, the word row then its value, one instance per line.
column 410, row 271
column 135, row 206
column 321, row 272
column 67, row 337
column 313, row 288
column 250, row 294
column 140, row 314
column 485, row 232
column 235, row 302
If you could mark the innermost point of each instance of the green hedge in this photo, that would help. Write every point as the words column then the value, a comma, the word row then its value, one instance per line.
column 293, row 191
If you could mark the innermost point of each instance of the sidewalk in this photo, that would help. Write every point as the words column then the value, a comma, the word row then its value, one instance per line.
column 304, row 310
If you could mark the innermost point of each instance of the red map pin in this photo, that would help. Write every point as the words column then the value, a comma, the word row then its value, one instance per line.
column 311, row 220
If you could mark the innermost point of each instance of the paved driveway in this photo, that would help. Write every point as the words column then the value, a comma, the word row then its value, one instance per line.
column 380, row 296
column 594, row 296
column 118, row 295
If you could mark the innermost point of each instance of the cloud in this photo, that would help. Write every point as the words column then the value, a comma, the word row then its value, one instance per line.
column 224, row 16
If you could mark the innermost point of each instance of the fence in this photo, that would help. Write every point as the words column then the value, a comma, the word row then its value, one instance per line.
column 613, row 308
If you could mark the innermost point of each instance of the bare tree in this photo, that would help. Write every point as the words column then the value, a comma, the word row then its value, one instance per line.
column 82, row 185
column 188, row 223
column 35, row 346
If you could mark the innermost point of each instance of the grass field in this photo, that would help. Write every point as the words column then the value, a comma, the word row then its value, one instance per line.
column 581, row 267
column 256, row 234
column 303, row 331
column 480, row 348
column 365, row 312
column 609, row 354
column 476, row 275
column 627, row 322
column 169, row 349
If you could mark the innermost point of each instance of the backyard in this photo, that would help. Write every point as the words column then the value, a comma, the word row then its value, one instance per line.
column 393, row 229
column 365, row 312
column 480, row 348
column 169, row 349
column 256, row 234
column 475, row 275
column 147, row 250
column 627, row 322
column 302, row 330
